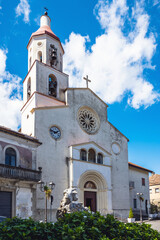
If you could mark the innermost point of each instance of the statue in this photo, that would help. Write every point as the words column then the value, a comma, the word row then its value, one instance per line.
column 68, row 204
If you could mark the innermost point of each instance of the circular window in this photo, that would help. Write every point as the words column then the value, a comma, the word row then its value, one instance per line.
column 116, row 148
column 39, row 44
column 88, row 120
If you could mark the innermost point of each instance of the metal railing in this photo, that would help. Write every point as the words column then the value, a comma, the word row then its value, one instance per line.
column 7, row 171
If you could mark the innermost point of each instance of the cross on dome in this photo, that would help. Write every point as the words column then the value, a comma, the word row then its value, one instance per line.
column 46, row 11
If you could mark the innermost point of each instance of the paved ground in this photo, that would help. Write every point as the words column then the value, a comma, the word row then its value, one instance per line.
column 155, row 224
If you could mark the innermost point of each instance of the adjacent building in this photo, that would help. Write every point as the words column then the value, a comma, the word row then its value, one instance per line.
column 18, row 173
column 154, row 188
column 139, row 183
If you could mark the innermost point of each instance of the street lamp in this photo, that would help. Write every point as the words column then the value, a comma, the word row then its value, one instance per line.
column 47, row 190
column 140, row 199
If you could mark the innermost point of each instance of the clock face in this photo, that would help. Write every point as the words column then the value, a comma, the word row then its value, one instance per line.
column 55, row 132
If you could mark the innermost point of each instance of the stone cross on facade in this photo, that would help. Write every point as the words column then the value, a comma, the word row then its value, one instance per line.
column 87, row 80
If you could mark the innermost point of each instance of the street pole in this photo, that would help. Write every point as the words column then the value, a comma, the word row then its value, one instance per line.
column 47, row 190
column 46, row 210
column 140, row 212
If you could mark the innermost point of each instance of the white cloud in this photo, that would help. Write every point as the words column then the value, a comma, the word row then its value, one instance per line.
column 37, row 20
column 23, row 8
column 0, row 7
column 116, row 61
column 10, row 89
column 156, row 2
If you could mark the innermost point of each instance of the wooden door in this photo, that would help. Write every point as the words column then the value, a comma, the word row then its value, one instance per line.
column 6, row 204
column 90, row 200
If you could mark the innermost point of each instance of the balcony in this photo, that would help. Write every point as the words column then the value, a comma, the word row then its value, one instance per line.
column 19, row 173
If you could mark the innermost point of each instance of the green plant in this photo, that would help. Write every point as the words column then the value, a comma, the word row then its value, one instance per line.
column 130, row 213
column 141, row 198
column 76, row 226
column 47, row 191
column 25, row 229
column 153, row 208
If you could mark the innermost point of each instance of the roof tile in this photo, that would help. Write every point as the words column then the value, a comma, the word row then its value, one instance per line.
column 154, row 179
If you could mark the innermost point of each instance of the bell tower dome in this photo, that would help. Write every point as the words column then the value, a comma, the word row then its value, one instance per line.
column 45, row 46
column 45, row 20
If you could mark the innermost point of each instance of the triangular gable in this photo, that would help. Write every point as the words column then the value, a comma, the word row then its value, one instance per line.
column 87, row 89
column 90, row 143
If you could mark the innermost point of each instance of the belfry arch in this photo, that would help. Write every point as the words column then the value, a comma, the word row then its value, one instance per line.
column 52, row 85
column 28, row 88
column 39, row 56
column 101, row 189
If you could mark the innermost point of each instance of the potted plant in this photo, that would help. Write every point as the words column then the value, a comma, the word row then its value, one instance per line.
column 131, row 218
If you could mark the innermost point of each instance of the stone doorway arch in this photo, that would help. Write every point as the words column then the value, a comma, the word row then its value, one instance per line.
column 101, row 189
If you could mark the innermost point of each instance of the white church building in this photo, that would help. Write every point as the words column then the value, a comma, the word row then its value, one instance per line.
column 66, row 138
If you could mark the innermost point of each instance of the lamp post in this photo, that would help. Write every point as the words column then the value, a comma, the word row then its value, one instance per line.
column 47, row 190
column 140, row 199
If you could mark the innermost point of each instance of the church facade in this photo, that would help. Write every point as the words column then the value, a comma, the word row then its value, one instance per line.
column 68, row 138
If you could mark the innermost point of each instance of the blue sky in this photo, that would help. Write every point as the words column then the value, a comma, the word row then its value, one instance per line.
column 117, row 43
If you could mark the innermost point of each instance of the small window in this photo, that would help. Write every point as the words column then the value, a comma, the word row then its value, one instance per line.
column 83, row 155
column 156, row 190
column 10, row 157
column 135, row 203
column 61, row 66
column 30, row 62
column 91, row 156
column 100, row 158
column 143, row 181
column 150, row 191
column 131, row 184
column 90, row 185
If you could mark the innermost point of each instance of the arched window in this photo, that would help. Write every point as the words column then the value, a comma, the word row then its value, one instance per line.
column 83, row 155
column 40, row 56
column 10, row 157
column 90, row 185
column 91, row 156
column 100, row 158
column 52, row 85
column 28, row 88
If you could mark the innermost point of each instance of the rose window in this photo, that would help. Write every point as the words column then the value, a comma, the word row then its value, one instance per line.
column 88, row 120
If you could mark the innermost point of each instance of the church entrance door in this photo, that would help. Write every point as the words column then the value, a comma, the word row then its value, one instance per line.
column 90, row 200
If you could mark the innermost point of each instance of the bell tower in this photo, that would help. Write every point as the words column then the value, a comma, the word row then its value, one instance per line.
column 45, row 81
